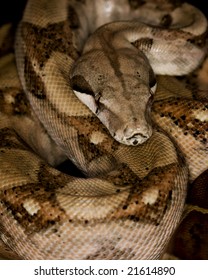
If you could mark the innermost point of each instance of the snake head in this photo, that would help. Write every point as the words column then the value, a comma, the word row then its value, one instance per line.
column 120, row 92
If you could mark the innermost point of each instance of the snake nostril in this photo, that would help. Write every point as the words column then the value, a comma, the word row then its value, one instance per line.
column 135, row 142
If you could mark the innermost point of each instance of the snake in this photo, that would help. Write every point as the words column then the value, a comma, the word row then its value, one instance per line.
column 93, row 83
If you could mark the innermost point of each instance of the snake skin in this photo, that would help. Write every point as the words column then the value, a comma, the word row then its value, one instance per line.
column 130, row 199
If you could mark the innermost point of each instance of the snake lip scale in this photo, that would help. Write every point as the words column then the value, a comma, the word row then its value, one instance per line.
column 94, row 82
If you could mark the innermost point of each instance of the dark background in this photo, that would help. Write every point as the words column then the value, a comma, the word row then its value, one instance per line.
column 11, row 10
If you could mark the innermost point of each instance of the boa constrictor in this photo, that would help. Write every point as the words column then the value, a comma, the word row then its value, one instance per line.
column 135, row 165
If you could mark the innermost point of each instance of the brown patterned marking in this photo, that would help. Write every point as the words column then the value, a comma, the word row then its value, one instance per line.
column 110, row 252
column 137, row 210
column 13, row 101
column 33, row 81
column 85, row 127
column 43, row 41
column 10, row 140
column 198, row 191
column 170, row 34
column 144, row 44
column 90, row 150
column 124, row 176
column 44, row 193
column 185, row 121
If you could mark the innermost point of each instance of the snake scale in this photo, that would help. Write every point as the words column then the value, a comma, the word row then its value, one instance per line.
column 107, row 104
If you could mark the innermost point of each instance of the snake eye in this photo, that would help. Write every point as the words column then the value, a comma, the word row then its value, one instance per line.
column 78, row 83
column 152, row 81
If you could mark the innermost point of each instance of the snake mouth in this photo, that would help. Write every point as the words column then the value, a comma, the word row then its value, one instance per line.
column 137, row 138
column 133, row 137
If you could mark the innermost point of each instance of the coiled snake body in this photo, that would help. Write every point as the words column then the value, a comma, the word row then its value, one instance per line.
column 136, row 164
